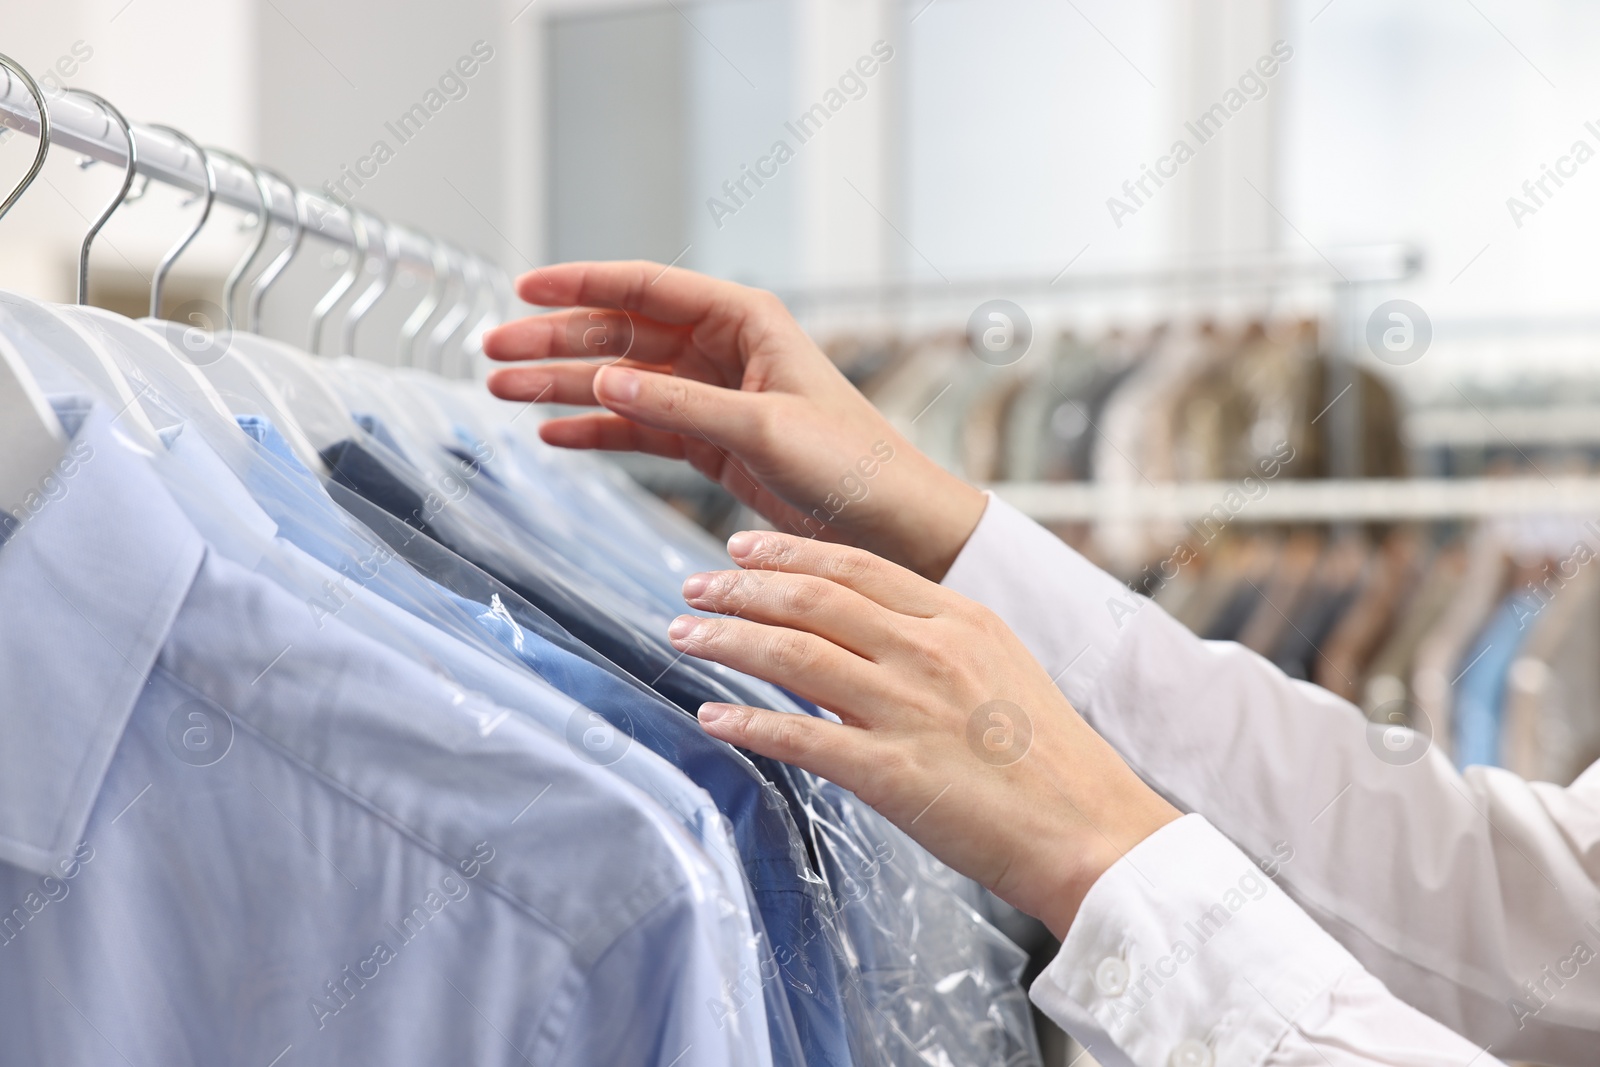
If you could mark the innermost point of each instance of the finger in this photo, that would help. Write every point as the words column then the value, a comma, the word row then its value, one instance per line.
column 818, row 670
column 613, row 433
column 670, row 295
column 799, row 602
column 586, row 333
column 838, row 753
column 729, row 418
column 873, row 577
column 610, row 433
column 553, row 383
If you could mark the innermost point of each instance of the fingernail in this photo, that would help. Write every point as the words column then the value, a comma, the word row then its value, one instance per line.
column 694, row 585
column 682, row 627
column 742, row 544
column 710, row 713
column 619, row 385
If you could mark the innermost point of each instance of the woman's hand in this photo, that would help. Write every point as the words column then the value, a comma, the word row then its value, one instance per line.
column 950, row 728
column 721, row 375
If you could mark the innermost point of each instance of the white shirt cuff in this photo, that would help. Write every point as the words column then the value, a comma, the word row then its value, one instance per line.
column 1088, row 610
column 1186, row 954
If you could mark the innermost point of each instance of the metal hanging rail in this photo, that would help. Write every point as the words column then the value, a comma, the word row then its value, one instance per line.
column 1333, row 500
column 79, row 126
column 1364, row 265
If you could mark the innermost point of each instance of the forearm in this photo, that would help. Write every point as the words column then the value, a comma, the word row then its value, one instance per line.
column 1453, row 891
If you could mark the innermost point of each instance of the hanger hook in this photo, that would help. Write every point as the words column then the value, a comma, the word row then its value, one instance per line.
column 236, row 275
column 331, row 298
column 205, row 213
column 44, row 131
column 122, row 194
column 446, row 326
column 424, row 311
column 373, row 292
column 493, row 314
column 457, row 351
column 280, row 262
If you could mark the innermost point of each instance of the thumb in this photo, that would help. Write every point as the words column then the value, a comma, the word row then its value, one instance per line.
column 728, row 417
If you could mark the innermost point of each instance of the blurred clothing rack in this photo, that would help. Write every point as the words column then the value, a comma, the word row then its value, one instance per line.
column 1363, row 265
column 1331, row 500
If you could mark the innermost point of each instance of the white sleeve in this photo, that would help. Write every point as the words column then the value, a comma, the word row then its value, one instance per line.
column 1473, row 897
column 1184, row 954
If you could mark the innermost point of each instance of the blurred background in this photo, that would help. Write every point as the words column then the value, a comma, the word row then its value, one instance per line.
column 1298, row 304
column 987, row 147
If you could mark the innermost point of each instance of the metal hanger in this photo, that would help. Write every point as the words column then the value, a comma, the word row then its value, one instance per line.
column 44, row 132
column 373, row 292
column 424, row 310
column 456, row 356
column 85, row 353
column 236, row 378
column 300, row 385
column 231, row 286
column 433, row 352
column 89, row 342
column 205, row 213
column 346, row 282
column 31, row 438
column 497, row 311
column 280, row 263
column 122, row 194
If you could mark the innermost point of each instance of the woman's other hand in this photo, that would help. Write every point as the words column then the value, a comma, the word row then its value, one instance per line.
column 721, row 375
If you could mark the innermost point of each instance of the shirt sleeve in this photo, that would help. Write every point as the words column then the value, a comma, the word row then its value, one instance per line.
column 1186, row 954
column 1474, row 897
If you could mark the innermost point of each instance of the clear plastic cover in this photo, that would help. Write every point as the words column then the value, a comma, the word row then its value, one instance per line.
column 259, row 510
column 869, row 951
column 925, row 977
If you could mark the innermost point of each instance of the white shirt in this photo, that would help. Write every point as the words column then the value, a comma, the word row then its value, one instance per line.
column 1384, row 909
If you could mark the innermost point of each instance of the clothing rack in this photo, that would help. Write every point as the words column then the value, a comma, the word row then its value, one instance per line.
column 1330, row 500
column 1354, row 266
column 79, row 125
column 1342, row 499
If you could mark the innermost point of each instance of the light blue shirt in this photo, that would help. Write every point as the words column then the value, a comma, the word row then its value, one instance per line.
column 230, row 515
column 230, row 836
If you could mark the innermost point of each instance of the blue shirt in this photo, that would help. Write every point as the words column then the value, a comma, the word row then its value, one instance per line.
column 796, row 917
column 801, row 919
column 1481, row 688
column 899, row 995
column 227, row 834
column 480, row 649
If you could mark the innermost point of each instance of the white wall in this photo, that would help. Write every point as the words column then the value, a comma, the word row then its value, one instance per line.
column 305, row 87
column 184, row 62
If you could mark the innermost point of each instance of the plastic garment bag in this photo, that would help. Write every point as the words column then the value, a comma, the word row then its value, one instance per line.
column 215, row 924
column 800, row 920
column 905, row 1001
column 941, row 979
column 613, row 725
column 220, row 506
column 953, row 994
column 307, row 517
column 906, row 1019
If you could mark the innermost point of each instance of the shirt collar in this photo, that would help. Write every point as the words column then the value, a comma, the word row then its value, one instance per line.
column 91, row 580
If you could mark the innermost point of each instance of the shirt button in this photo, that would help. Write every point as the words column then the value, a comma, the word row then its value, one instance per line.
column 1190, row 1053
column 1111, row 977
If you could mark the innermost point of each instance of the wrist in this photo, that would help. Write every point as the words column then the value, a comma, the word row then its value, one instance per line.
column 935, row 521
column 1101, row 834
